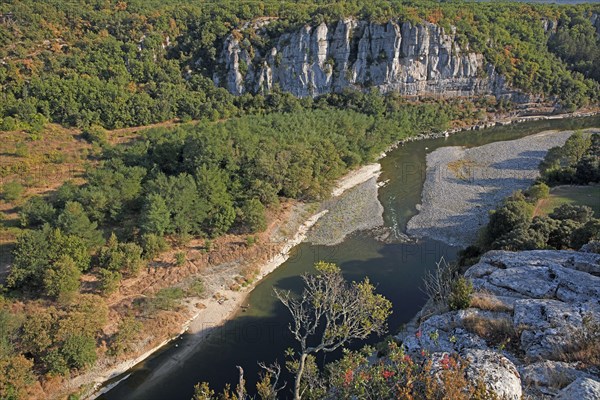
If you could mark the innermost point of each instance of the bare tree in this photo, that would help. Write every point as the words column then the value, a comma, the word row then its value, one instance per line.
column 268, row 386
column 330, row 312
column 438, row 284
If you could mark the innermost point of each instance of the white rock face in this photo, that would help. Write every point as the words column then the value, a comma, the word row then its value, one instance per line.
column 581, row 389
column 547, row 303
column 396, row 56
column 498, row 373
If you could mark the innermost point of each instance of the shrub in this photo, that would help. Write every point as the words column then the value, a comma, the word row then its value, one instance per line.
column 36, row 212
column 180, row 258
column 196, row 288
column 109, row 280
column 12, row 191
column 152, row 245
column 167, row 298
column 537, row 192
column 95, row 134
column 460, row 295
column 127, row 332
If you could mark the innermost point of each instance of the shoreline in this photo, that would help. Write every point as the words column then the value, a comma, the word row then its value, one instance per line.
column 216, row 314
column 201, row 327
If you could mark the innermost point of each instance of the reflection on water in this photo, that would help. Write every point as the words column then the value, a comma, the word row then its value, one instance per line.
column 260, row 333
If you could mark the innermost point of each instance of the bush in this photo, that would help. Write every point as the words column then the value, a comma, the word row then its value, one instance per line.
column 79, row 351
column 196, row 288
column 537, row 192
column 460, row 295
column 12, row 191
column 127, row 332
column 95, row 134
column 167, row 298
column 152, row 245
column 109, row 280
column 180, row 258
column 36, row 212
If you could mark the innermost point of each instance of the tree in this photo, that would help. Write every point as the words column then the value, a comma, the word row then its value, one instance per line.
column 109, row 280
column 74, row 221
column 36, row 212
column 253, row 215
column 511, row 215
column 79, row 351
column 155, row 215
column 61, row 280
column 577, row 213
column 333, row 312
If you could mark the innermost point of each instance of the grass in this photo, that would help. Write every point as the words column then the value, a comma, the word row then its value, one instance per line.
column 577, row 195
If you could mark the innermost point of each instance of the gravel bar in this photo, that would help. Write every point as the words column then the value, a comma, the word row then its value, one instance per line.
column 356, row 209
column 463, row 185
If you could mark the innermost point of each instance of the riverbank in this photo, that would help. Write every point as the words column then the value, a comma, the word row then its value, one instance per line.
column 463, row 185
column 213, row 312
column 226, row 304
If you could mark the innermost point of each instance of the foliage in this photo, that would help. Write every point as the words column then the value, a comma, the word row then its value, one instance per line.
column 37, row 250
column 560, row 164
column 460, row 295
column 330, row 313
column 61, row 279
column 12, row 191
column 180, row 258
column 36, row 212
column 109, row 280
column 152, row 245
column 125, row 257
column 166, row 299
column 253, row 215
column 126, row 334
column 79, row 351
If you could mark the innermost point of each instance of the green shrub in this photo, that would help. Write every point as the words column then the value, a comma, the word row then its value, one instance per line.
column 460, row 295
column 167, row 299
column 180, row 258
column 12, row 191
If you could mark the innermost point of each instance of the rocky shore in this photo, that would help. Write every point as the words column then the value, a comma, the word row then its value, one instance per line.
column 532, row 328
column 463, row 185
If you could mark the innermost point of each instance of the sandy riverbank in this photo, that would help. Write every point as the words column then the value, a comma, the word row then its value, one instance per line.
column 463, row 185
column 216, row 312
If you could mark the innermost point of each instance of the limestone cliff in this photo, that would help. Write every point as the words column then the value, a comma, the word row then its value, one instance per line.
column 532, row 328
column 397, row 56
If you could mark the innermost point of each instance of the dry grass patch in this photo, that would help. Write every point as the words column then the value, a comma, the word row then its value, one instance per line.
column 584, row 345
column 488, row 301
column 462, row 169
column 495, row 331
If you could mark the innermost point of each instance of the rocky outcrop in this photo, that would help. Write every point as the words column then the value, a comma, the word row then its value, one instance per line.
column 596, row 22
column 397, row 56
column 532, row 326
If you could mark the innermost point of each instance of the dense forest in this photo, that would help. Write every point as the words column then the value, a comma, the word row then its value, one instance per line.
column 117, row 63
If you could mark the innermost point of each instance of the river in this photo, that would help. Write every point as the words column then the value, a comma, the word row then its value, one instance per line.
column 260, row 333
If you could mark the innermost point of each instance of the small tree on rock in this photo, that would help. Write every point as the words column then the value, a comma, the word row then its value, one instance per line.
column 330, row 313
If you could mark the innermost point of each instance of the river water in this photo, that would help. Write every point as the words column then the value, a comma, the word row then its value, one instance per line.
column 260, row 333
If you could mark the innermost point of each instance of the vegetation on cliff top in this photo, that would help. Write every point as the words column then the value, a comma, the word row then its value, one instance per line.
column 117, row 63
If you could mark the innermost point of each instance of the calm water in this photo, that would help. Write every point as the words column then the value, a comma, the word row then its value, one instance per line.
column 261, row 334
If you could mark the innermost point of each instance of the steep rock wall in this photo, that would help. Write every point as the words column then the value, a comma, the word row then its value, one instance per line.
column 396, row 56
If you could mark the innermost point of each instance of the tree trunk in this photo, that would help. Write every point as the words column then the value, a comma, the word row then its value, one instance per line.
column 299, row 376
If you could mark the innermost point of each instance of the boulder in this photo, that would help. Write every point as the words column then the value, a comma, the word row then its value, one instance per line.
column 581, row 389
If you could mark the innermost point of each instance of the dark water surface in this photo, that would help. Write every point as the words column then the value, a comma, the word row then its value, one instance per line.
column 260, row 333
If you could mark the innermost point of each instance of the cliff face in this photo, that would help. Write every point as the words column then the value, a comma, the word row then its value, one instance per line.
column 397, row 56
